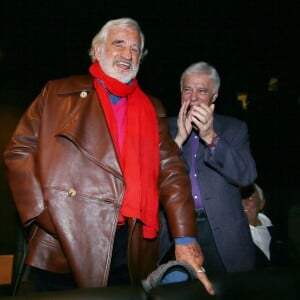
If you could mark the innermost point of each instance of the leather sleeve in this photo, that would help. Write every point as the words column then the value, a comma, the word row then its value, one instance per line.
column 174, row 182
column 20, row 157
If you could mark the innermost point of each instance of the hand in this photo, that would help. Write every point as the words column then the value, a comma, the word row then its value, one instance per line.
column 192, row 254
column 202, row 117
column 184, row 124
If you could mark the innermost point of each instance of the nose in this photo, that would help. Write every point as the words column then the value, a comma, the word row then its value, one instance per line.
column 194, row 95
column 127, row 53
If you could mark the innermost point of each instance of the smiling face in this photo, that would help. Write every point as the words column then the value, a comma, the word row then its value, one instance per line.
column 198, row 88
column 119, row 57
column 252, row 206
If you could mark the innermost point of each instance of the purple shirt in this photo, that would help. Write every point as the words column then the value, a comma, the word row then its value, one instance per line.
column 194, row 144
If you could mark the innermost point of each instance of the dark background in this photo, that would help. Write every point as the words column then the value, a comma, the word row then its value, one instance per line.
column 247, row 41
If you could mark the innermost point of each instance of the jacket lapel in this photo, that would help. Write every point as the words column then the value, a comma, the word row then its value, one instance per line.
column 88, row 130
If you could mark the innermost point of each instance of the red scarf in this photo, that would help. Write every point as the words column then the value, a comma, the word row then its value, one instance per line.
column 140, row 153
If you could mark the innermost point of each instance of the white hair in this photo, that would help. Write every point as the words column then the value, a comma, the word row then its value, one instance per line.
column 202, row 68
column 259, row 192
column 101, row 36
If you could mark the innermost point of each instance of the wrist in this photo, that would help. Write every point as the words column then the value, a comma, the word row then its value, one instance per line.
column 213, row 142
column 178, row 141
column 185, row 240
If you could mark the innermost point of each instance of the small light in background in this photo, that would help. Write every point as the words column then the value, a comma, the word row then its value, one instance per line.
column 273, row 84
column 243, row 97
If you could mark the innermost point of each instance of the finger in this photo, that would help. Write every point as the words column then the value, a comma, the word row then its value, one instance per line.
column 206, row 111
column 204, row 106
column 207, row 284
column 181, row 115
column 199, row 113
column 182, row 109
column 199, row 121
column 186, row 108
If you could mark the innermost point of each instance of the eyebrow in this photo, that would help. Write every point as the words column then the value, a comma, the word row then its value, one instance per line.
column 118, row 42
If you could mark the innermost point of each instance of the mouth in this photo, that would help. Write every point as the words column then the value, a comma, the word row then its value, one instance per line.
column 123, row 65
column 191, row 105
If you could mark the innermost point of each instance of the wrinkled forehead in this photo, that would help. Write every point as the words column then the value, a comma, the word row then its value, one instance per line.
column 197, row 80
column 124, row 35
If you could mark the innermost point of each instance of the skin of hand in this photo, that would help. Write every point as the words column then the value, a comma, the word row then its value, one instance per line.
column 202, row 117
column 184, row 124
column 198, row 96
column 192, row 254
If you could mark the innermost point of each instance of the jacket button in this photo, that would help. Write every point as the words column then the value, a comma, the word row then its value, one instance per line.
column 83, row 94
column 71, row 192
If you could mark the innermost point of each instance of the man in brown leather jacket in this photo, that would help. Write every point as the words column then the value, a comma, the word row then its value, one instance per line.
column 89, row 164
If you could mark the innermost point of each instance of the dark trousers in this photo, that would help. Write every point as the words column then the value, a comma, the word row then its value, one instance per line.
column 212, row 260
column 48, row 281
column 118, row 274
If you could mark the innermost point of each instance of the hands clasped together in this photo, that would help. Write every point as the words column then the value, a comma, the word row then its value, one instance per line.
column 199, row 117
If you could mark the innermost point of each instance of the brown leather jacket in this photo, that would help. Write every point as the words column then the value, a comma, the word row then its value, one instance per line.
column 68, row 186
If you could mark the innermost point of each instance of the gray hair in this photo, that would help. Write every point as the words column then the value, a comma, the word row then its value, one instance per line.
column 202, row 68
column 259, row 192
column 101, row 36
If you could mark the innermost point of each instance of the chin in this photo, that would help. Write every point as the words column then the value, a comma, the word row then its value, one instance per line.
column 125, row 78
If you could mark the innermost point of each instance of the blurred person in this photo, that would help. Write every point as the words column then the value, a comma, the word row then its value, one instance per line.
column 271, row 250
column 88, row 165
column 217, row 152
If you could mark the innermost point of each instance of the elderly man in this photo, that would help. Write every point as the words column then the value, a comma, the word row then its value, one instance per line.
column 88, row 164
column 216, row 149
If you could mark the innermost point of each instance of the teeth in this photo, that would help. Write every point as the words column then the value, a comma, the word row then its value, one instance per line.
column 125, row 64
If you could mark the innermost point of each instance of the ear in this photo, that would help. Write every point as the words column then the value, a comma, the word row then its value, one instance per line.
column 97, row 51
column 215, row 96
